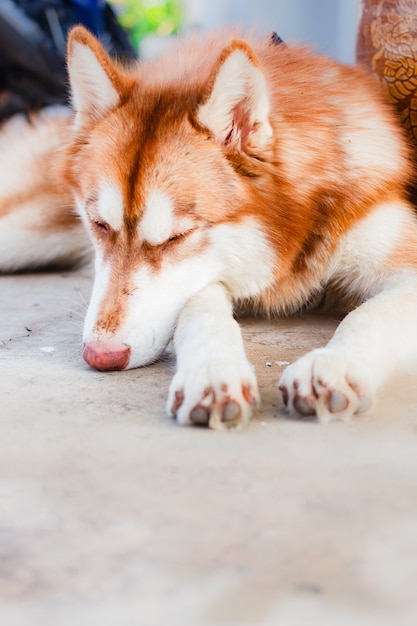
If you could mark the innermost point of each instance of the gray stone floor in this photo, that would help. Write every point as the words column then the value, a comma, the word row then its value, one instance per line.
column 111, row 514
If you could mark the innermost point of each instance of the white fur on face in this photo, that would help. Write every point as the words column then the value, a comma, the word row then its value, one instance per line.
column 100, row 291
column 110, row 206
column 238, row 256
column 81, row 211
column 159, row 222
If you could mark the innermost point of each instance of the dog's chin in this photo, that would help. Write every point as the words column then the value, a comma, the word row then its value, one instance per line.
column 138, row 359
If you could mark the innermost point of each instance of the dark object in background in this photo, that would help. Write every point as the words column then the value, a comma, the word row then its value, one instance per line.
column 32, row 48
column 276, row 40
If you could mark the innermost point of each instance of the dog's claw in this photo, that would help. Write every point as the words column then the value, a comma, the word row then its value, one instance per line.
column 178, row 400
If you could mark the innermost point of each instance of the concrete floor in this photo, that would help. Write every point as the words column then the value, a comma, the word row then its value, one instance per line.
column 112, row 514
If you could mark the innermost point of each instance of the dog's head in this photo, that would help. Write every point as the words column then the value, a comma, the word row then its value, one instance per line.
column 162, row 172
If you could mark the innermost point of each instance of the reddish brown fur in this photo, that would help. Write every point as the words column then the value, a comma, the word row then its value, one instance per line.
column 300, row 188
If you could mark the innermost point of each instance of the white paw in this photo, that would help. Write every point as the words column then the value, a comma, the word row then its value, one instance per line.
column 321, row 383
column 219, row 393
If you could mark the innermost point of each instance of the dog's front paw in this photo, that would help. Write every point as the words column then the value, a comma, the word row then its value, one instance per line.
column 218, row 394
column 321, row 383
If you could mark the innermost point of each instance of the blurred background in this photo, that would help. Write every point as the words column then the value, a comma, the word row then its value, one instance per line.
column 33, row 35
column 330, row 26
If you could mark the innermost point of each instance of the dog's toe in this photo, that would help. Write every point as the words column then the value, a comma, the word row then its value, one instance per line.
column 320, row 383
column 202, row 397
column 200, row 416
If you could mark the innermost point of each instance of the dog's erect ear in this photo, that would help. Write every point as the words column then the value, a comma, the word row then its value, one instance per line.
column 236, row 110
column 95, row 81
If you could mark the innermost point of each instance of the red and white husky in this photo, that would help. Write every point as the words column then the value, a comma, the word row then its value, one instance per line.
column 236, row 173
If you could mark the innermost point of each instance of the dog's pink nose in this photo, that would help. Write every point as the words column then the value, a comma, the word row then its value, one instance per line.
column 106, row 357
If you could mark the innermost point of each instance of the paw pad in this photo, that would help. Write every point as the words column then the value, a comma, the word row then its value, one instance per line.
column 337, row 402
column 231, row 411
column 322, row 383
column 200, row 416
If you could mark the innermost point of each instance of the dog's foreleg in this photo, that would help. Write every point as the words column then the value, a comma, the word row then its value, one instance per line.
column 214, row 385
column 373, row 341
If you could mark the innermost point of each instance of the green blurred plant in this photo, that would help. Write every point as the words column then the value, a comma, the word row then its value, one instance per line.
column 143, row 17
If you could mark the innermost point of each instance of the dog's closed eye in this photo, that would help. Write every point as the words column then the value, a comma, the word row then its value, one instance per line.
column 180, row 236
column 101, row 227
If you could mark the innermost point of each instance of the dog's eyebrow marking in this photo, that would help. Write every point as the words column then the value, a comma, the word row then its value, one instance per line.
column 157, row 223
column 109, row 205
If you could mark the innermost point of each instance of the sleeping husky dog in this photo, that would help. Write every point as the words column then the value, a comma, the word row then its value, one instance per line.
column 231, row 173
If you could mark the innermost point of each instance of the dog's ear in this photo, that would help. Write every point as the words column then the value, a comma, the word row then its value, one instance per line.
column 236, row 107
column 96, row 82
